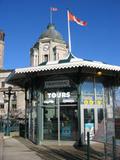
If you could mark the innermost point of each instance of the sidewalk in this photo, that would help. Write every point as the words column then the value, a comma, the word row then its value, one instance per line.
column 14, row 150
column 1, row 146
column 22, row 149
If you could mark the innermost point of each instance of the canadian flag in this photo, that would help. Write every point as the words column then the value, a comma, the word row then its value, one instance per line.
column 71, row 17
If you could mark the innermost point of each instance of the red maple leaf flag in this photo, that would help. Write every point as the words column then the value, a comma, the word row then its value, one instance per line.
column 71, row 17
column 54, row 9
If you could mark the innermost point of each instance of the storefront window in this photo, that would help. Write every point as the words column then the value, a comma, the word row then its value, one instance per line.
column 87, row 91
column 99, row 93
column 117, row 114
column 92, row 92
column 117, row 102
column 60, row 94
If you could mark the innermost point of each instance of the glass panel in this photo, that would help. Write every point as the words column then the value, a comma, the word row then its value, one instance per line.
column 33, row 128
column 69, row 122
column 117, row 102
column 117, row 114
column 87, row 92
column 99, row 93
column 100, row 115
column 89, row 122
column 100, row 131
column 50, row 123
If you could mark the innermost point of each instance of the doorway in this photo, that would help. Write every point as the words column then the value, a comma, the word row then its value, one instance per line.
column 50, row 126
column 68, row 121
column 89, row 123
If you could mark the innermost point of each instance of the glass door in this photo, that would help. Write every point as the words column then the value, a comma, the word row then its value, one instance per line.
column 50, row 127
column 68, row 122
column 89, row 123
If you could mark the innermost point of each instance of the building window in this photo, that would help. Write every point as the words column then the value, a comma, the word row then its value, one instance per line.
column 14, row 106
column 1, row 106
column 54, row 54
column 46, row 58
column 3, row 84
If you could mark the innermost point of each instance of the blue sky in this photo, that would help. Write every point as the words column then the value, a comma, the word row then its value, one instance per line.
column 23, row 21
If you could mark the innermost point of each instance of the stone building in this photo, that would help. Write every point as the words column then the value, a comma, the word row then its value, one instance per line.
column 49, row 47
column 17, row 102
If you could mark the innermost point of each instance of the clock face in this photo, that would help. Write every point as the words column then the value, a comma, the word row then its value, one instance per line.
column 45, row 47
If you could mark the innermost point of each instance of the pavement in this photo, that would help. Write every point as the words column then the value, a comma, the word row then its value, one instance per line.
column 1, row 146
column 22, row 149
column 15, row 150
column 18, row 148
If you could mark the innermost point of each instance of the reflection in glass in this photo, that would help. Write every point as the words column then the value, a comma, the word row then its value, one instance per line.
column 100, row 115
column 50, row 123
column 87, row 92
column 99, row 93
column 92, row 92
column 89, row 123
column 68, row 122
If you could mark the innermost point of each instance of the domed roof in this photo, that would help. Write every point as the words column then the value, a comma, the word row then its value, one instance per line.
column 52, row 33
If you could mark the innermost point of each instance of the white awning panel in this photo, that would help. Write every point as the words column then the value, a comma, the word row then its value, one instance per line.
column 72, row 64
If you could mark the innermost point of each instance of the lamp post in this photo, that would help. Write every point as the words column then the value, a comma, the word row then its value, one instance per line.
column 9, row 93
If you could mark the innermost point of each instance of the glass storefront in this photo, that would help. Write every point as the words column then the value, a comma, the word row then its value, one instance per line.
column 60, row 111
column 68, row 122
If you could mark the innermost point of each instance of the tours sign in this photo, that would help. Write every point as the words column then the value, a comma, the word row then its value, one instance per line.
column 59, row 95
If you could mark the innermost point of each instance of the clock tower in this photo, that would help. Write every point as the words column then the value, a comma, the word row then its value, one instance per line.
column 49, row 47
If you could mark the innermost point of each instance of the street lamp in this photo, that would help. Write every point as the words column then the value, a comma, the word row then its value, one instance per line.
column 9, row 93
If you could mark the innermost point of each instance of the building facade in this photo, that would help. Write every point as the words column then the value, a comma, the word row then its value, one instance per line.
column 17, row 102
column 67, row 97
column 49, row 47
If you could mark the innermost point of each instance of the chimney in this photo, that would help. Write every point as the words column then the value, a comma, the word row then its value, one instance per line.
column 2, row 36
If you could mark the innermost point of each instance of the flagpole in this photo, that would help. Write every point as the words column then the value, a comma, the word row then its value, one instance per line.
column 50, row 16
column 69, row 35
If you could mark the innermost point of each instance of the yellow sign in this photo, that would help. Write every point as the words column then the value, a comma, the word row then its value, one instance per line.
column 99, row 102
column 91, row 102
column 86, row 102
